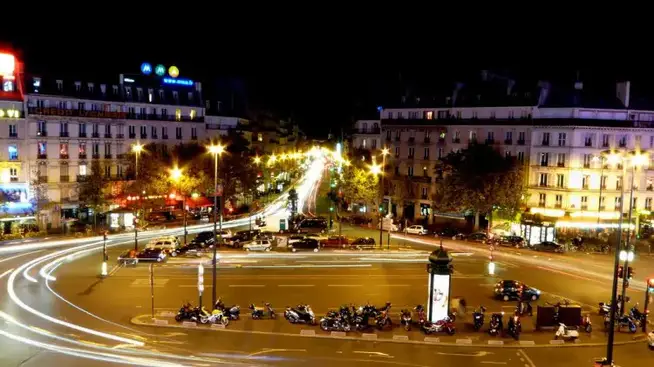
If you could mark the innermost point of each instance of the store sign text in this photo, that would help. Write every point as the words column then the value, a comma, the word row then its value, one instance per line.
column 78, row 113
column 10, row 113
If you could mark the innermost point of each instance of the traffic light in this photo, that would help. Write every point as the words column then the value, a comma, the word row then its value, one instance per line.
column 620, row 271
column 331, row 208
column 650, row 285
column 630, row 273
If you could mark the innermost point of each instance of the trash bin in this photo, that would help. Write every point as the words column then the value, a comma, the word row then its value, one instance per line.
column 282, row 225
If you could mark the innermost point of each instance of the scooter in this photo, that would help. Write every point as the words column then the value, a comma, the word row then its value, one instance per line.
column 565, row 333
column 335, row 324
column 260, row 312
column 188, row 312
column 515, row 327
column 650, row 340
column 234, row 312
column 627, row 321
column 604, row 308
column 216, row 316
column 405, row 319
column 478, row 318
column 586, row 324
column 383, row 320
column 445, row 325
column 496, row 325
column 300, row 315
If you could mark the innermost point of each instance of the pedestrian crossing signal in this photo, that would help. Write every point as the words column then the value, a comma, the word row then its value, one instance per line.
column 621, row 272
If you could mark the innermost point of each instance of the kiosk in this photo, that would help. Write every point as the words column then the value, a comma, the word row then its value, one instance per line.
column 439, row 271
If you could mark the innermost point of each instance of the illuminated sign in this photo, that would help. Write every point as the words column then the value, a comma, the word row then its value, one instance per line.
column 160, row 70
column 146, row 68
column 7, row 64
column 10, row 113
column 173, row 71
column 77, row 113
column 440, row 288
column 129, row 80
column 185, row 82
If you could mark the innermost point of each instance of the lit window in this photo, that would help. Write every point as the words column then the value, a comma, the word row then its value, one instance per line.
column 178, row 114
column 430, row 115
column 260, row 137
column 192, row 114
column 13, row 152
column 82, row 169
column 42, row 148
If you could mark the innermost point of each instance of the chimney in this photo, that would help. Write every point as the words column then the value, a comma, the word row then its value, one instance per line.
column 455, row 94
column 544, row 92
column 509, row 86
column 623, row 91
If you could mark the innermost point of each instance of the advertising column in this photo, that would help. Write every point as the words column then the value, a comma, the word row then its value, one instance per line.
column 439, row 272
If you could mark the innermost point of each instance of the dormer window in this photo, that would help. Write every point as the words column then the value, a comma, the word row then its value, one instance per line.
column 103, row 89
column 115, row 89
column 190, row 96
column 161, row 94
column 78, row 86
column 139, row 93
column 91, row 87
column 175, row 96
column 60, row 85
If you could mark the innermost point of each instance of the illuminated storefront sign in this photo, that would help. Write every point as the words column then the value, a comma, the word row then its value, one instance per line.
column 146, row 68
column 173, row 71
column 160, row 70
column 7, row 64
column 185, row 82
column 9, row 113
column 77, row 113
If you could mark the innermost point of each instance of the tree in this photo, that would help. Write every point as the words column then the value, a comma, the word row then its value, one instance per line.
column 92, row 190
column 292, row 202
column 481, row 180
column 359, row 185
column 40, row 199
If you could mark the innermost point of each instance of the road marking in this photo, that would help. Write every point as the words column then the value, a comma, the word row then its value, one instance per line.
column 296, row 285
column 266, row 351
column 373, row 354
column 246, row 285
column 306, row 266
column 145, row 282
column 492, row 362
column 345, row 285
column 392, row 285
column 531, row 363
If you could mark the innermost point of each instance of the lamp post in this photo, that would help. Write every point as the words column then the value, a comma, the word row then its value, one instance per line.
column 376, row 169
column 384, row 153
column 200, row 283
column 137, row 149
column 176, row 175
column 216, row 150
column 599, row 200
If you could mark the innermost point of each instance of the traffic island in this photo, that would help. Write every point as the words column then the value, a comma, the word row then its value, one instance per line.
column 462, row 338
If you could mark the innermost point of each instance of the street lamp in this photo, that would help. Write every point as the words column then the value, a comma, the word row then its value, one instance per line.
column 137, row 149
column 216, row 150
column 600, row 159
column 176, row 176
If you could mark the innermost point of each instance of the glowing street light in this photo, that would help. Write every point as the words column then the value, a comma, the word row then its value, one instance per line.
column 175, row 174
column 626, row 256
column 386, row 151
column 256, row 160
column 216, row 150
column 137, row 149
column 375, row 169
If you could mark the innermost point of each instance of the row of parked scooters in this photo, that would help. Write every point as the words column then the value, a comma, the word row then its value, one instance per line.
column 221, row 314
column 632, row 321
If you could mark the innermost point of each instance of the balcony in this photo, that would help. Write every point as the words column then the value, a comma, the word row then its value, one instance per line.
column 42, row 156
column 110, row 114
column 588, row 143
column 95, row 156
column 521, row 142
column 196, row 138
column 120, row 136
column 64, row 178
column 558, row 205
column 543, row 163
column 602, row 207
column 411, row 141
column 490, row 141
column 388, row 138
column 42, row 133
column 179, row 137
column 456, row 141
column 13, row 179
column 586, row 165
column 82, row 178
column 622, row 144
column 63, row 156
column 43, row 179
column 410, row 157
column 560, row 164
column 366, row 131
column 545, row 143
column 107, row 136
column 423, row 197
column 13, row 135
column 154, row 136
column 427, row 140
column 95, row 135
column 108, row 156
column 164, row 137
column 542, row 184
column 541, row 204
column 81, row 135
column 422, row 179
column 144, row 136
column 82, row 156
column 121, row 156
column 508, row 141
column 584, row 207
column 132, row 136
column 63, row 134
column 585, row 187
column 397, row 138
column 472, row 141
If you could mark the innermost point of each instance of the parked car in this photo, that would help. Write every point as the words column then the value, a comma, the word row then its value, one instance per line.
column 191, row 248
column 151, row 254
column 512, row 241
column 363, row 243
column 258, row 245
column 416, row 229
column 225, row 233
column 335, row 241
column 295, row 238
column 388, row 225
column 477, row 237
column 168, row 245
column 515, row 290
column 204, row 239
column 305, row 244
column 316, row 236
column 447, row 233
column 312, row 225
column 549, row 246
column 242, row 237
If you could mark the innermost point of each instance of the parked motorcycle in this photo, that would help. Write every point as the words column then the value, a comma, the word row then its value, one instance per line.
column 234, row 312
column 637, row 316
column 496, row 325
column 260, row 312
column 216, row 316
column 405, row 319
column 383, row 320
column 565, row 333
column 445, row 325
column 188, row 312
column 586, row 324
column 629, row 322
column 514, row 327
column 604, row 308
column 302, row 314
column 337, row 323
column 478, row 318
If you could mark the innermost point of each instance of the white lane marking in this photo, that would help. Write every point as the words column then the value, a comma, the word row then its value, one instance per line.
column 531, row 363
column 246, row 285
column 492, row 362
column 5, row 273
column 306, row 266
column 392, row 285
column 345, row 285
column 296, row 285
column 13, row 257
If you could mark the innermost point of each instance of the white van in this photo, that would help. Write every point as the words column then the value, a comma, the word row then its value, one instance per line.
column 168, row 244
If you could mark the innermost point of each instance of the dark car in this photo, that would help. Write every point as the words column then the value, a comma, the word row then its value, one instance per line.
column 204, row 239
column 192, row 247
column 306, row 244
column 549, row 246
column 152, row 254
column 447, row 232
column 513, row 289
column 477, row 237
column 312, row 225
column 512, row 241
column 364, row 243
column 241, row 237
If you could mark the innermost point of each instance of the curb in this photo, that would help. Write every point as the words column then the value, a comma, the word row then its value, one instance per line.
column 464, row 343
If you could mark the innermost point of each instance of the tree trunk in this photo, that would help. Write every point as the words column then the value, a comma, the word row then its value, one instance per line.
column 476, row 226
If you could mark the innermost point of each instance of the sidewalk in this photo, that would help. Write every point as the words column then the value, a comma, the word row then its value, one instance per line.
column 465, row 335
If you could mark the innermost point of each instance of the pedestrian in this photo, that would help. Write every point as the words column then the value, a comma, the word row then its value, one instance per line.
column 463, row 305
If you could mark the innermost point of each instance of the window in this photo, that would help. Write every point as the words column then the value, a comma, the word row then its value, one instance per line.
column 602, row 202
column 153, row 132
column 584, row 202
column 457, row 137
column 560, row 159
column 42, row 149
column 192, row 114
column 521, row 157
column 164, row 112
column 544, row 159
column 410, row 171
column 429, row 115
column 511, row 114
column 13, row 174
column 388, row 135
column 164, row 133
column 587, row 159
column 585, row 181
column 96, row 129
column 63, row 172
column 390, row 114
column 507, row 153
column 509, row 137
column 42, row 129
column 618, row 182
column 426, row 153
column 413, row 114
column 542, row 199
column 119, row 171
column 475, row 114
column 144, row 132
column 546, row 139
column 605, row 140
column 107, row 149
column 648, row 203
column 82, row 129
column 373, row 142
column 96, row 149
column 560, row 179
column 562, row 139
column 472, row 136
column 194, row 135
column 178, row 132
column 603, row 182
column 616, row 203
column 412, row 152
column 63, row 150
column 623, row 141
column 397, row 152
column 424, row 171
column 82, row 149
column 543, row 180
column 82, row 169
column 588, row 140
column 490, row 137
column 424, row 192
column 558, row 201
column 398, row 135
column 634, row 204
column 107, row 171
column 132, row 131
column 259, row 137
column 638, row 139
column 13, row 152
column 440, row 153
column 178, row 115
column 493, row 114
